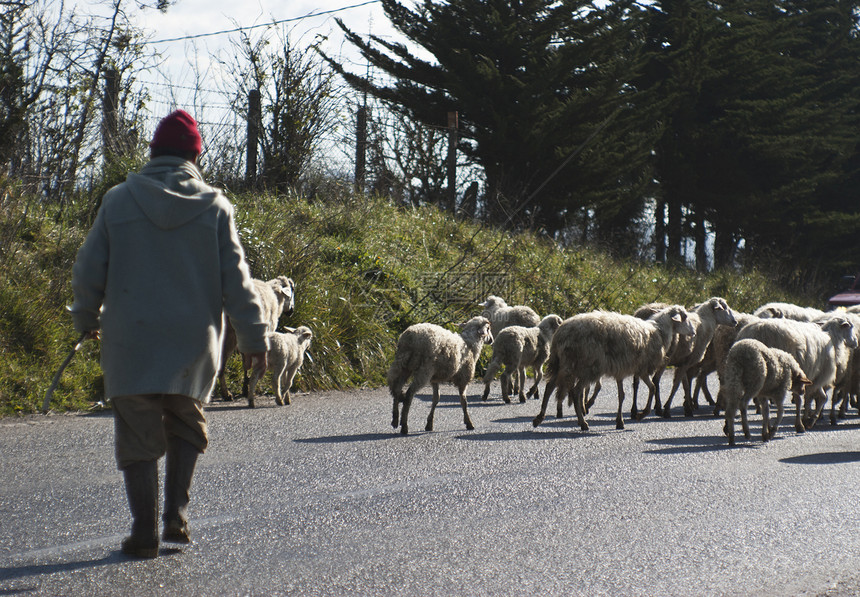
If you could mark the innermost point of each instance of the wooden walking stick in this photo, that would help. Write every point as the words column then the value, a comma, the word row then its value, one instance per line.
column 46, row 404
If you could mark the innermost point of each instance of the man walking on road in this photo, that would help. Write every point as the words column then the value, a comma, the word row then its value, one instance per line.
column 157, row 271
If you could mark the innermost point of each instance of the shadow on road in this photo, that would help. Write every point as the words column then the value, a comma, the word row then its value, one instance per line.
column 824, row 458
column 688, row 445
column 341, row 439
column 35, row 570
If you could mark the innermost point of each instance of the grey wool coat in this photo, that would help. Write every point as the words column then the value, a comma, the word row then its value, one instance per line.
column 160, row 267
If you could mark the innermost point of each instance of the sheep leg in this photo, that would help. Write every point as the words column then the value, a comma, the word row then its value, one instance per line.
column 547, row 392
column 506, row 386
column 634, row 410
column 653, row 394
column 820, row 403
column 702, row 384
column 765, row 419
column 278, row 386
column 579, row 390
column 222, row 383
column 843, row 405
column 535, row 390
column 676, row 381
column 407, row 402
column 252, row 386
column 689, row 405
column 289, row 377
column 397, row 394
column 467, row 420
column 619, row 418
column 798, row 419
column 429, row 426
column 559, row 401
column 486, row 394
column 780, row 408
column 729, row 427
column 593, row 398
column 838, row 400
column 744, row 419
column 720, row 402
column 658, row 408
column 521, row 381
column 492, row 369
column 395, row 385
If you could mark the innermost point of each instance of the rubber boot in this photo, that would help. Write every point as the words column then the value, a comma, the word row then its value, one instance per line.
column 141, row 488
column 180, row 462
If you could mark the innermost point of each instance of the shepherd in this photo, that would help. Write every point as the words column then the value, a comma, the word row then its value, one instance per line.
column 158, row 271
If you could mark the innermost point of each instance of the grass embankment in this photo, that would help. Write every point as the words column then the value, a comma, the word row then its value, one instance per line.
column 364, row 271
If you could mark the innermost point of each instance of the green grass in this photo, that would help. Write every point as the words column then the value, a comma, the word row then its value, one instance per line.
column 364, row 270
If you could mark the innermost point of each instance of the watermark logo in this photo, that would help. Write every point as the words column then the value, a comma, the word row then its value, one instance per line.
column 457, row 293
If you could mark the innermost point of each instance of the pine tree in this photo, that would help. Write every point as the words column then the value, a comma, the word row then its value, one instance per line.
column 536, row 84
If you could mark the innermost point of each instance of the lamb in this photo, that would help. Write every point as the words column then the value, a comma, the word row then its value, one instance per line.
column 754, row 371
column 277, row 296
column 589, row 346
column 501, row 315
column 431, row 354
column 817, row 349
column 689, row 352
column 286, row 355
column 517, row 347
column 787, row 311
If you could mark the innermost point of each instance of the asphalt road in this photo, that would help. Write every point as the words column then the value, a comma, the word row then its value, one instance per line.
column 323, row 498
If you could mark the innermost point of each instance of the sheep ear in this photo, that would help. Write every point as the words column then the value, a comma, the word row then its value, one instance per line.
column 677, row 318
column 290, row 330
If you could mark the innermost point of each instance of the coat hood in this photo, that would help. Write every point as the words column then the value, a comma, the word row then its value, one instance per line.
column 170, row 191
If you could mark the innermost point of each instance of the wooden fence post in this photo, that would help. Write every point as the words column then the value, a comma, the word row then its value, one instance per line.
column 110, row 117
column 452, row 161
column 254, row 119
column 360, row 147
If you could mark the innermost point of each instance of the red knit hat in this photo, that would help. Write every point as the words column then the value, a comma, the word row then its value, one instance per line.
column 177, row 131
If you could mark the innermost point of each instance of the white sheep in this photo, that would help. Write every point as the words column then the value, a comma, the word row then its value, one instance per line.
column 589, row 346
column 690, row 351
column 277, row 296
column 845, row 384
column 754, row 371
column 285, row 356
column 517, row 347
column 431, row 354
column 501, row 315
column 787, row 311
column 817, row 349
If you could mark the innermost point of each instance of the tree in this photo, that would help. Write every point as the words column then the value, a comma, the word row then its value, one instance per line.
column 298, row 98
column 52, row 63
column 536, row 84
column 758, row 114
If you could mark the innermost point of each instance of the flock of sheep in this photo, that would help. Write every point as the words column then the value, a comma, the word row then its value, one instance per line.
column 779, row 350
column 762, row 357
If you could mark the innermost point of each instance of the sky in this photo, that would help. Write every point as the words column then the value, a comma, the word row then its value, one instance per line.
column 200, row 20
column 187, row 36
